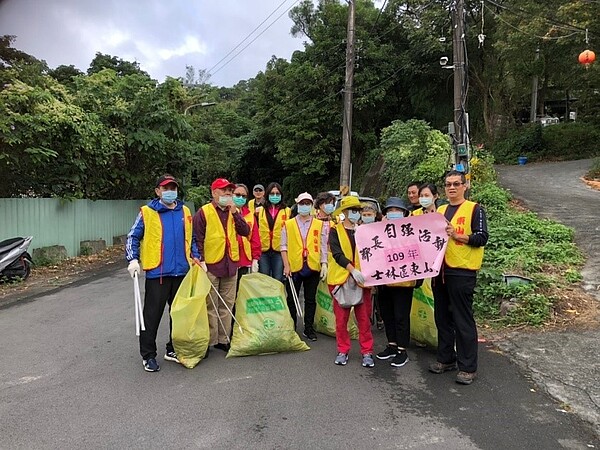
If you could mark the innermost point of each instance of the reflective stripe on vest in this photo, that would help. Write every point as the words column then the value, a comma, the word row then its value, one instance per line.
column 271, row 239
column 299, row 249
column 215, row 239
column 151, row 246
column 337, row 274
column 459, row 255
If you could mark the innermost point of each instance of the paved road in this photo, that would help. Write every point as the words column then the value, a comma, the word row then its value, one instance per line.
column 71, row 378
column 566, row 364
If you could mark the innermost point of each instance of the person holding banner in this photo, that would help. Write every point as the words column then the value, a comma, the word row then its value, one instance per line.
column 161, row 239
column 217, row 226
column 454, row 287
column 303, row 239
column 395, row 301
column 344, row 276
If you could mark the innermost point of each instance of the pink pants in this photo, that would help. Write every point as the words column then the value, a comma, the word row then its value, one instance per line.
column 363, row 320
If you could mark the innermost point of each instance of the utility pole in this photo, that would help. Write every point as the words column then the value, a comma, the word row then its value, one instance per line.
column 461, row 153
column 348, row 95
column 534, row 92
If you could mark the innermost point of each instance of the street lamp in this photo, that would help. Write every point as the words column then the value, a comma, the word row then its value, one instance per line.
column 203, row 104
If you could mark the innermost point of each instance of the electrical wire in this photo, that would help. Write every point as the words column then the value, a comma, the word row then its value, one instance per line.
column 253, row 40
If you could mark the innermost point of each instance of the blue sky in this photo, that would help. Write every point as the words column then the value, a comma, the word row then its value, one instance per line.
column 162, row 36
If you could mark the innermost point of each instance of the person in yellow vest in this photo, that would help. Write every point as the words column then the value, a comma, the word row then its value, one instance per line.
column 344, row 266
column 271, row 219
column 161, row 239
column 453, row 288
column 249, row 246
column 258, row 193
column 428, row 199
column 304, row 254
column 217, row 226
column 395, row 301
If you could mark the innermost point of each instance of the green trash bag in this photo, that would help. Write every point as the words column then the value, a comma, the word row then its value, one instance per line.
column 190, row 332
column 262, row 312
column 324, row 317
column 422, row 320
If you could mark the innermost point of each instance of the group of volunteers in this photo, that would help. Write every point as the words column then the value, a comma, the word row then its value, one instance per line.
column 301, row 245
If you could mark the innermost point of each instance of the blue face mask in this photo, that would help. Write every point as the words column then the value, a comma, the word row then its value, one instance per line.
column 353, row 216
column 239, row 201
column 368, row 219
column 425, row 202
column 274, row 198
column 304, row 210
column 393, row 215
column 224, row 200
column 168, row 197
column 329, row 208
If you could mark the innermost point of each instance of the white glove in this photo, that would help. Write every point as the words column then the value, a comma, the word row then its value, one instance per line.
column 254, row 268
column 323, row 271
column 203, row 266
column 133, row 267
column 358, row 277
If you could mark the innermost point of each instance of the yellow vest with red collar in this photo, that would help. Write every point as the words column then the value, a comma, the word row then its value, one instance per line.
column 271, row 239
column 337, row 274
column 298, row 250
column 152, row 243
column 215, row 239
column 459, row 255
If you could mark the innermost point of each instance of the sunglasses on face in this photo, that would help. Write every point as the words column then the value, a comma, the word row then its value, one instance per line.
column 455, row 184
column 258, row 190
column 240, row 195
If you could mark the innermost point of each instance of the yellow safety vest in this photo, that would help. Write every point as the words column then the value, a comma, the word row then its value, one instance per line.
column 152, row 242
column 459, row 255
column 246, row 247
column 215, row 239
column 299, row 250
column 417, row 212
column 271, row 239
column 338, row 274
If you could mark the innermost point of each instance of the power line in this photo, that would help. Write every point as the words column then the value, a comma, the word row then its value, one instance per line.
column 247, row 36
column 257, row 36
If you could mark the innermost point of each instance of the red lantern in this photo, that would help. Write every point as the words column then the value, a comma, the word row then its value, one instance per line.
column 587, row 57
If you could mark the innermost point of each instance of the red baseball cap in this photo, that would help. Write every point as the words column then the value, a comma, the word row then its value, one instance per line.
column 166, row 179
column 222, row 183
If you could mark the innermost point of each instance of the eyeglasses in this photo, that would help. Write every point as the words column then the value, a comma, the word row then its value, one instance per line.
column 240, row 195
column 455, row 184
column 258, row 190
column 353, row 210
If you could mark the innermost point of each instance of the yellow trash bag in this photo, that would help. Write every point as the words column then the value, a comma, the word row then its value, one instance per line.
column 261, row 310
column 422, row 321
column 324, row 316
column 190, row 332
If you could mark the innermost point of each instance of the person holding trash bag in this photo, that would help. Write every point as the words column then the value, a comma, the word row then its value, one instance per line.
column 217, row 226
column 454, row 287
column 161, row 239
column 249, row 245
column 271, row 217
column 346, row 284
column 304, row 254
column 395, row 301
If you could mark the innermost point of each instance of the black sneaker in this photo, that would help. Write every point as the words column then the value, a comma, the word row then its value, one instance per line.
column 224, row 347
column 400, row 359
column 389, row 352
column 171, row 356
column 310, row 334
column 150, row 365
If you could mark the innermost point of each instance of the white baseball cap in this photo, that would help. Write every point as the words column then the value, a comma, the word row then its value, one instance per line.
column 304, row 196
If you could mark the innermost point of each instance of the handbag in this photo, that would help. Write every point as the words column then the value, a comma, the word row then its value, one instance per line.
column 348, row 294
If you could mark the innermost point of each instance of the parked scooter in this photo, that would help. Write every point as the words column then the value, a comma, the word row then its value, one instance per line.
column 15, row 262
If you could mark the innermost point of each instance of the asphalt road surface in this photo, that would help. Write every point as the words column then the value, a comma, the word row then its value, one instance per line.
column 71, row 377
